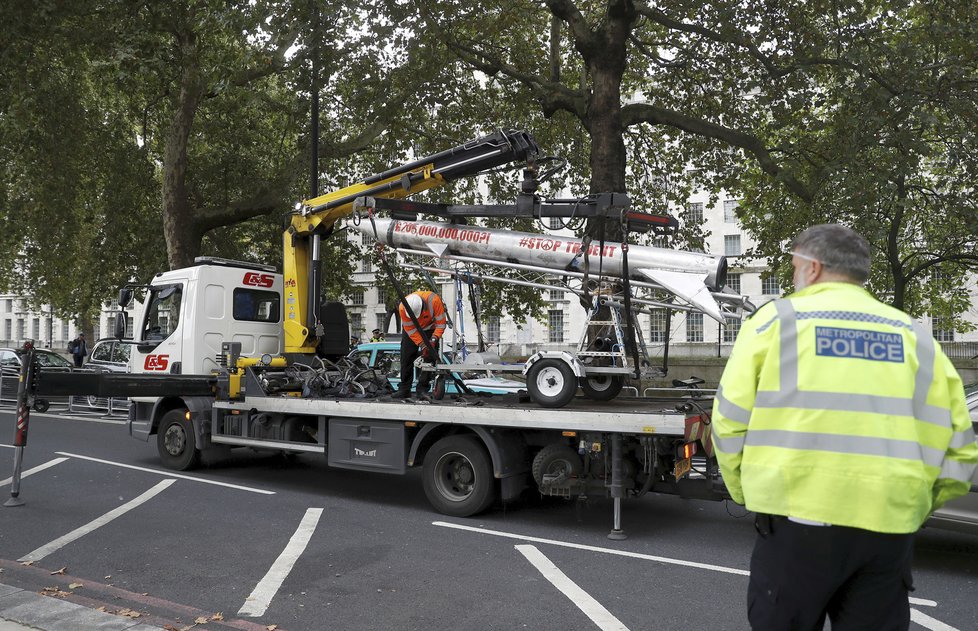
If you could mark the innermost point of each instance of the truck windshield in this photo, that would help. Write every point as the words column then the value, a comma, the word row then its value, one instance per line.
column 163, row 312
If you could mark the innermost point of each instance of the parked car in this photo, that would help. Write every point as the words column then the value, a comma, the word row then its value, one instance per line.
column 108, row 355
column 10, row 363
column 961, row 514
column 386, row 356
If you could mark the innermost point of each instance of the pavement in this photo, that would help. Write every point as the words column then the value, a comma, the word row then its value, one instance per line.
column 21, row 609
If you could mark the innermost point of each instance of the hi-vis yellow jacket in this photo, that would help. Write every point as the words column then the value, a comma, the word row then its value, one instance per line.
column 837, row 408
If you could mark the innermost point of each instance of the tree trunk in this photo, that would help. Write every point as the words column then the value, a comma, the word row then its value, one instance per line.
column 179, row 226
column 893, row 259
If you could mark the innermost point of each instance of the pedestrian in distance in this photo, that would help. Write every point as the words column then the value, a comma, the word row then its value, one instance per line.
column 377, row 336
column 354, row 342
column 840, row 422
column 78, row 349
column 429, row 310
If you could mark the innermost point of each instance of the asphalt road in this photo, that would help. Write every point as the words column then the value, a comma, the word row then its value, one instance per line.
column 266, row 541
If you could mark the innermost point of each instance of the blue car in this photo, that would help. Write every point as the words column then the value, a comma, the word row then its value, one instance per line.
column 379, row 354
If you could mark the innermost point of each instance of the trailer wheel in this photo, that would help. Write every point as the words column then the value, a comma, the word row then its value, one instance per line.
column 602, row 387
column 41, row 405
column 175, row 442
column 457, row 476
column 551, row 383
column 559, row 461
column 438, row 390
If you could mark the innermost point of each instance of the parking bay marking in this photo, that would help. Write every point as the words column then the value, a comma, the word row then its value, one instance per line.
column 40, row 467
column 77, row 533
column 169, row 474
column 259, row 599
column 918, row 617
column 605, row 620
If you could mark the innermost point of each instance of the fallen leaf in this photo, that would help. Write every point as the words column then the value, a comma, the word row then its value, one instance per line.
column 61, row 571
column 218, row 616
column 75, row 585
column 107, row 577
column 201, row 620
column 102, row 609
column 27, row 563
column 128, row 613
column 272, row 627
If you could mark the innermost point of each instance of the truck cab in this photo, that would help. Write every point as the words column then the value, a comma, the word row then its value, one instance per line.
column 188, row 313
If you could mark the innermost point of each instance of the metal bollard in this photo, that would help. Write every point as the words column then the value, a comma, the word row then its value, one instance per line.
column 617, row 487
column 23, row 420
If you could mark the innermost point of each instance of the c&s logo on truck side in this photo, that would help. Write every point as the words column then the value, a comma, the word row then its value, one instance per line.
column 254, row 279
column 156, row 362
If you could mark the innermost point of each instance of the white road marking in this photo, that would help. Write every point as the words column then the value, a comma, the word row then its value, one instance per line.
column 591, row 608
column 929, row 623
column 8, row 446
column 256, row 603
column 921, row 601
column 169, row 474
column 61, row 542
column 578, row 546
column 40, row 467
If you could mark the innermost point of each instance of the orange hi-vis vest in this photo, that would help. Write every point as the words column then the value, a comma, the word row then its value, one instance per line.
column 432, row 316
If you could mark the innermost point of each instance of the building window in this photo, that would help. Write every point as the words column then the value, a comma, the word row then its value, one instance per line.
column 769, row 286
column 381, row 296
column 64, row 330
column 556, row 294
column 733, row 281
column 8, row 305
column 555, row 223
column 381, row 322
column 730, row 330
column 657, row 326
column 357, row 298
column 694, row 212
column 694, row 327
column 36, row 328
column 661, row 241
column 555, row 324
column 730, row 210
column 941, row 330
column 20, row 330
column 356, row 324
column 109, row 325
column 492, row 330
column 731, row 245
column 366, row 239
column 366, row 265
column 7, row 329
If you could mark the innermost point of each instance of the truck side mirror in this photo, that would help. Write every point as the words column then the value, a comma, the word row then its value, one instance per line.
column 125, row 297
column 121, row 323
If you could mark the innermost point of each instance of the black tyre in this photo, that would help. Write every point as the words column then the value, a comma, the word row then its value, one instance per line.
column 176, row 443
column 558, row 462
column 551, row 383
column 438, row 389
column 457, row 476
column 41, row 405
column 602, row 387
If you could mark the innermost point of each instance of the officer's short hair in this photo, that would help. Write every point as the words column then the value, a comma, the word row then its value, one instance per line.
column 839, row 248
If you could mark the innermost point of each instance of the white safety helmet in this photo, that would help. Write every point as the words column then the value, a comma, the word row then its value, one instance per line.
column 415, row 304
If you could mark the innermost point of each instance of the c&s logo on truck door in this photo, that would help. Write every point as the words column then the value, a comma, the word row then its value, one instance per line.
column 156, row 362
column 254, row 279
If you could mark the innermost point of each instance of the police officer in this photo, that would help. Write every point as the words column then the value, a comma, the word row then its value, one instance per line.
column 429, row 310
column 841, row 423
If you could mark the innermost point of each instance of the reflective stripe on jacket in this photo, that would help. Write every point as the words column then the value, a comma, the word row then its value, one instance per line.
column 837, row 408
column 432, row 317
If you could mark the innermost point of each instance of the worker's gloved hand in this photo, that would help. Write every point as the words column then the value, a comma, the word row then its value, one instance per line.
column 425, row 353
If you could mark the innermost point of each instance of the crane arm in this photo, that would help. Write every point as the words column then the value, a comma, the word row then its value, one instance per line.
column 316, row 217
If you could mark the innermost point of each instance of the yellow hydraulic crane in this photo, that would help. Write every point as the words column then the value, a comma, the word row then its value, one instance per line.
column 315, row 218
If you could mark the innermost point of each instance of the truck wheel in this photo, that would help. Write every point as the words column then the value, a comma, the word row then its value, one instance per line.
column 558, row 461
column 41, row 405
column 457, row 476
column 551, row 383
column 176, row 443
column 602, row 387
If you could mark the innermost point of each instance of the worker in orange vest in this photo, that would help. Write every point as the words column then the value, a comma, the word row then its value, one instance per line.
column 429, row 310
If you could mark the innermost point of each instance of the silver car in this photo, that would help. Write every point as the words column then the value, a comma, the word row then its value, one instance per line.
column 108, row 355
column 962, row 514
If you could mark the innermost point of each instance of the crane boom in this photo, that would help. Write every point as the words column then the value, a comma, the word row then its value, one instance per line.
column 315, row 218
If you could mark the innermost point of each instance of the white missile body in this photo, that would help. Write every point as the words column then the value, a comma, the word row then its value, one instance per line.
column 690, row 275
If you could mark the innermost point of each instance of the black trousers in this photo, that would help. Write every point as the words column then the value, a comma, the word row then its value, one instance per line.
column 799, row 574
column 410, row 352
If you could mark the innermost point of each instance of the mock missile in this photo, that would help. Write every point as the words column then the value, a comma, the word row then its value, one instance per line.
column 689, row 275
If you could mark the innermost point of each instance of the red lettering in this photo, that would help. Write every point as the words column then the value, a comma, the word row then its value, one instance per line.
column 156, row 362
column 254, row 279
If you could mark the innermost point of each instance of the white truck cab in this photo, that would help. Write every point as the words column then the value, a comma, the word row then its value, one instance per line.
column 188, row 313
